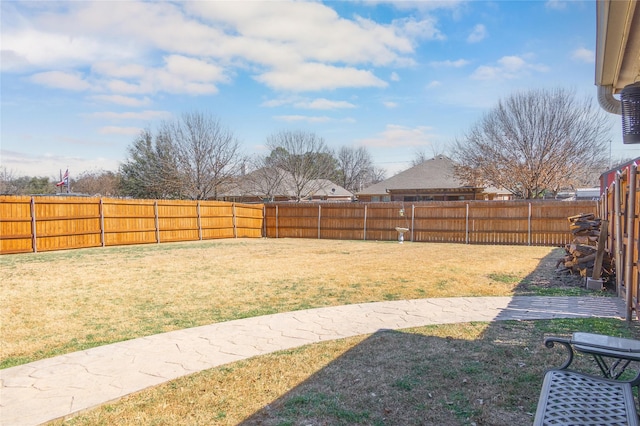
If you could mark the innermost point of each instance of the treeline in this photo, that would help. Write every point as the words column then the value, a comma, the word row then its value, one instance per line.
column 196, row 157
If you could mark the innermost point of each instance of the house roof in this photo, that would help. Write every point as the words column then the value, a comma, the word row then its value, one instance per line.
column 326, row 188
column 278, row 183
column 436, row 173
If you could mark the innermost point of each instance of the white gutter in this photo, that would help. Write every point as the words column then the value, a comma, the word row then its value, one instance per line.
column 607, row 101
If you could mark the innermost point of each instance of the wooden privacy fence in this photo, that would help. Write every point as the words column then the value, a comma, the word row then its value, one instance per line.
column 620, row 205
column 33, row 224
column 472, row 222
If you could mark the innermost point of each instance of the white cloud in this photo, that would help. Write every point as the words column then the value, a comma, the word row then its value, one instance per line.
column 478, row 34
column 307, row 103
column 556, row 4
column 138, row 115
column 584, row 55
column 122, row 100
column 433, row 84
column 287, row 44
column 117, row 70
column 449, row 64
column 48, row 164
column 395, row 136
column 306, row 118
column 390, row 104
column 394, row 76
column 111, row 130
column 61, row 80
column 322, row 103
column 508, row 68
column 29, row 49
column 316, row 76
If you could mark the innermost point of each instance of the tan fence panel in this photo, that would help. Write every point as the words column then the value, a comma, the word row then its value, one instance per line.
column 15, row 224
column 549, row 221
column 621, row 206
column 439, row 222
column 342, row 221
column 129, row 222
column 471, row 222
column 67, row 222
column 216, row 219
column 177, row 220
column 249, row 220
column 37, row 223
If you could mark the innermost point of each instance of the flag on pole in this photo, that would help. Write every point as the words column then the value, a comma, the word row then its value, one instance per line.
column 64, row 180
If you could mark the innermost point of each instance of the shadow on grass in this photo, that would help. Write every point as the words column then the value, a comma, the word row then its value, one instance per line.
column 490, row 374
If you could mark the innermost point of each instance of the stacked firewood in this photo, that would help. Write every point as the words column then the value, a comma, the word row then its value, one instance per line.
column 582, row 252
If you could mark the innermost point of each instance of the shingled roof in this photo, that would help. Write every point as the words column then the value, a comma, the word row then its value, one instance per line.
column 436, row 173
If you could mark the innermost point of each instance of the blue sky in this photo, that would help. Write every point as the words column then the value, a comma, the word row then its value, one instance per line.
column 81, row 79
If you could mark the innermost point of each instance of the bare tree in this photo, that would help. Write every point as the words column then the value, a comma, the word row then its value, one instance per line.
column 97, row 183
column 305, row 157
column 419, row 157
column 355, row 168
column 265, row 180
column 208, row 154
column 7, row 184
column 534, row 142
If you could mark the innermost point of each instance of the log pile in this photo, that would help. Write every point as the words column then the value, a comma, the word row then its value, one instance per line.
column 582, row 252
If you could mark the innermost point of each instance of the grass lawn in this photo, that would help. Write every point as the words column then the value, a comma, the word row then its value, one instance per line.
column 60, row 302
column 460, row 374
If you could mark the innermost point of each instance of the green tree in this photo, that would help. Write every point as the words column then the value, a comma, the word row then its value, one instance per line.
column 151, row 170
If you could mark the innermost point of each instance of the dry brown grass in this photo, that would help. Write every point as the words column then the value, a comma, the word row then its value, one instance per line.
column 65, row 301
column 459, row 374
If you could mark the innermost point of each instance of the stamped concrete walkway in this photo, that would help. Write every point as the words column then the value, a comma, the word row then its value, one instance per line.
column 45, row 390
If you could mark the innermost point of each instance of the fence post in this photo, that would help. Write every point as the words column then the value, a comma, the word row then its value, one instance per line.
column 34, row 237
column 319, row 217
column 199, row 220
column 413, row 214
column 529, row 226
column 364, row 235
column 276, row 221
column 157, row 220
column 617, row 211
column 628, row 264
column 466, row 231
column 102, row 241
column 233, row 214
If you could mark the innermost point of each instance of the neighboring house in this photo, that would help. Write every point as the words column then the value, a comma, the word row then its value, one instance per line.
column 432, row 180
column 270, row 185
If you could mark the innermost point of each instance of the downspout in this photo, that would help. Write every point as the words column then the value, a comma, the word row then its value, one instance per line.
column 607, row 101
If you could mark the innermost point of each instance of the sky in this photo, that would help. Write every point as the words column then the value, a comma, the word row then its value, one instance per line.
column 80, row 80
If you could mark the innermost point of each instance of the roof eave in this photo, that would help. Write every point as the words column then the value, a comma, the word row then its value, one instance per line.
column 617, row 43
